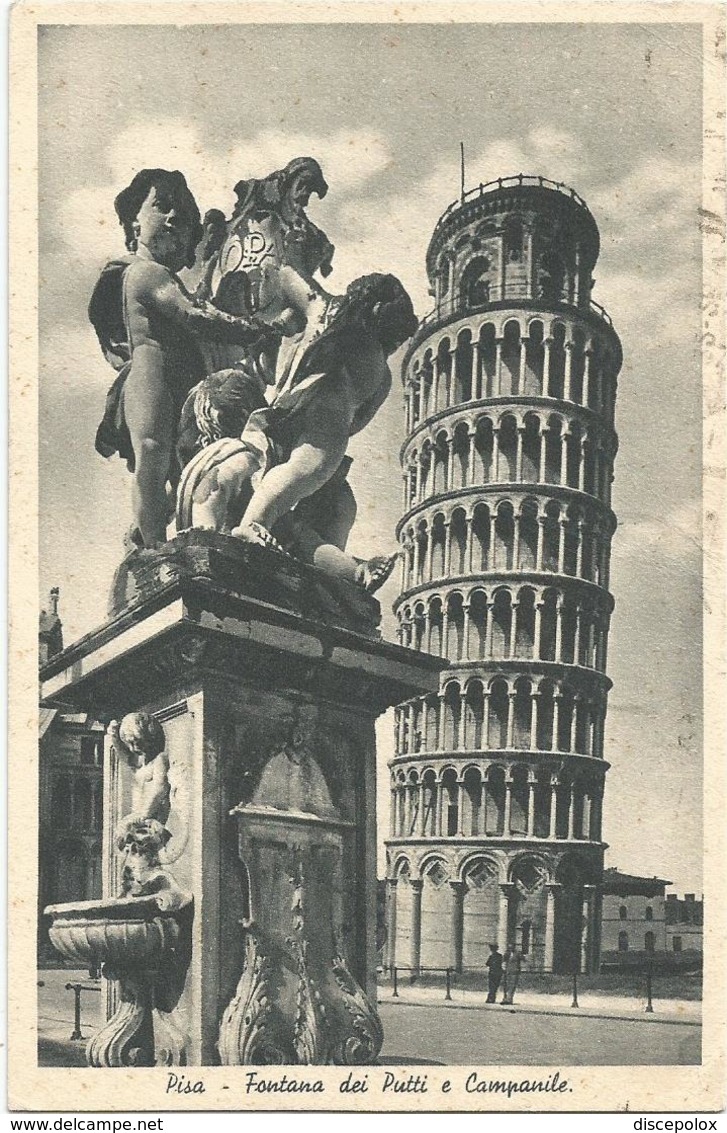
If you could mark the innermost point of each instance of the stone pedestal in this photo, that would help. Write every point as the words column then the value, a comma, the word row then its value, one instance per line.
column 268, row 700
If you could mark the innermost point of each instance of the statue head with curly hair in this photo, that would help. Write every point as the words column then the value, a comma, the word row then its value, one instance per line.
column 157, row 209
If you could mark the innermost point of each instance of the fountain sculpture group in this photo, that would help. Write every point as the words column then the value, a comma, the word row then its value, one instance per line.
column 241, row 657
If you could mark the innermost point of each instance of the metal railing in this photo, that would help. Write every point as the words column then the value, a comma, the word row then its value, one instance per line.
column 415, row 973
column 572, row 982
column 77, row 989
column 514, row 182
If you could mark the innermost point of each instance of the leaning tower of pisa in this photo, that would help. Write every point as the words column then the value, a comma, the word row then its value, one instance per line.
column 497, row 782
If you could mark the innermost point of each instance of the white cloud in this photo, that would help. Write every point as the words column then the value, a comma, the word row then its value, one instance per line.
column 349, row 159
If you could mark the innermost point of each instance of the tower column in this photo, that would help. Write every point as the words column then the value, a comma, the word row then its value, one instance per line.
column 571, row 812
column 466, row 631
column 523, row 362
column 459, row 888
column 416, row 884
column 485, row 721
column 559, row 628
column 453, row 376
column 472, row 457
column 508, row 806
column 537, row 629
column 542, row 453
column 434, row 389
column 489, row 635
column 564, row 458
column 551, row 888
column 498, row 367
column 568, row 371
column 587, row 378
column 556, row 721
column 468, row 545
column 512, row 636
column 440, row 809
column 447, row 546
column 519, row 454
column 503, row 918
column 539, row 548
column 547, row 343
column 450, row 463
column 553, row 806
column 422, row 400
column 561, row 544
column 474, row 379
column 391, row 922
column 534, row 698
column 516, row 542
column 531, row 803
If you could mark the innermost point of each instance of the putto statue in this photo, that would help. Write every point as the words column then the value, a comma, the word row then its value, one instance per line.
column 267, row 469
column 149, row 329
column 139, row 740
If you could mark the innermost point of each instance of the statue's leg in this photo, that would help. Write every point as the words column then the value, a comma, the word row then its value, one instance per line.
column 149, row 412
column 313, row 460
column 331, row 511
column 312, row 549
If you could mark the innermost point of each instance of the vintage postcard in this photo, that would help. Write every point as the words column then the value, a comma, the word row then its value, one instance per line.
column 367, row 547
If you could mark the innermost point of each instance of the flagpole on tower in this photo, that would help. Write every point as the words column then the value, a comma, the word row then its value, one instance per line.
column 461, row 168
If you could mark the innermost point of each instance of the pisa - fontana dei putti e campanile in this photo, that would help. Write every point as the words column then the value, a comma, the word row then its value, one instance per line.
column 497, row 781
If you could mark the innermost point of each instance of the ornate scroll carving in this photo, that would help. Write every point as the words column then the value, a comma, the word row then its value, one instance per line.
column 309, row 1037
column 363, row 1044
column 249, row 1031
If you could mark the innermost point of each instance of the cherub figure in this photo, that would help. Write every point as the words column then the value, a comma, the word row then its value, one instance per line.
column 220, row 460
column 140, row 739
column 149, row 326
column 141, row 841
column 332, row 383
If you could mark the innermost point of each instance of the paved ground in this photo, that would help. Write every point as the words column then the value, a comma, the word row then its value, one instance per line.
column 510, row 1037
column 557, row 1003
column 420, row 1027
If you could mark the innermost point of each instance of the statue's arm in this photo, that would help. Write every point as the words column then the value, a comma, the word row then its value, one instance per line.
column 165, row 294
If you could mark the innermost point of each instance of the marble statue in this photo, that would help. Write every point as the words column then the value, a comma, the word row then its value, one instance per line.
column 140, row 842
column 139, row 739
column 189, row 410
column 149, row 327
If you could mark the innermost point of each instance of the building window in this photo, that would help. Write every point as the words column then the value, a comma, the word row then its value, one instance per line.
column 91, row 747
column 676, row 943
column 649, row 913
column 623, row 913
column 623, row 942
column 649, row 942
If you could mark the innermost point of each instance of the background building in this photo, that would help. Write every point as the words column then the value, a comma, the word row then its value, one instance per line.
column 497, row 783
column 70, row 797
column 684, row 923
column 633, row 919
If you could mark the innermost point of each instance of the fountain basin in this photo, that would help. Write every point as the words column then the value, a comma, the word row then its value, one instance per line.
column 123, row 933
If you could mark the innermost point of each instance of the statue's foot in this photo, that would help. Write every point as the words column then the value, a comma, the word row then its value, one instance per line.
column 133, row 540
column 258, row 535
column 373, row 573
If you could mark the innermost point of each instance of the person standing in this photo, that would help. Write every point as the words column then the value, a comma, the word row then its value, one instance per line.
column 494, row 973
column 512, row 965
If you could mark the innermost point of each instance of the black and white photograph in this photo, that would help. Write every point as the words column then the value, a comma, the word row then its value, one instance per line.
column 368, row 435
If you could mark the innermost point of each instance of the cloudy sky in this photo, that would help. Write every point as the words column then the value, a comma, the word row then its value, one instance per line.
column 615, row 111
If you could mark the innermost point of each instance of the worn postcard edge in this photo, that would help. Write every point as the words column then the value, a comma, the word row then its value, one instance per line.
column 593, row 1088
